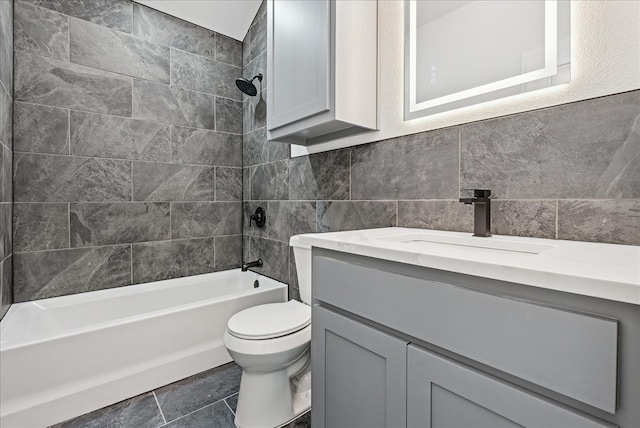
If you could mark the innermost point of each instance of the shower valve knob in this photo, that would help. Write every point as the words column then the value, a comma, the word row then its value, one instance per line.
column 260, row 217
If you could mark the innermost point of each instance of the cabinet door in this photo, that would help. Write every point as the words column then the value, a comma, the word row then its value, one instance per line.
column 359, row 374
column 298, row 45
column 445, row 394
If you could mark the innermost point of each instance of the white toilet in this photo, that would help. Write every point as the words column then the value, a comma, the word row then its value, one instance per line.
column 271, row 343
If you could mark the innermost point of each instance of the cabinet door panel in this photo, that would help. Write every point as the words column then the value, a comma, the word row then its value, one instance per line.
column 299, row 56
column 444, row 394
column 359, row 374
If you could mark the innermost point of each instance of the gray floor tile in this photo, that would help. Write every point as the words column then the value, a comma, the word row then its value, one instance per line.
column 185, row 396
column 138, row 412
column 217, row 415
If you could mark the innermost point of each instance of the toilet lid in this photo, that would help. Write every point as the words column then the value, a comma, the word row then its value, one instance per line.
column 270, row 320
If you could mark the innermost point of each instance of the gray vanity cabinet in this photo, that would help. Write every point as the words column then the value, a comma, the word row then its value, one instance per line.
column 444, row 394
column 397, row 345
column 363, row 372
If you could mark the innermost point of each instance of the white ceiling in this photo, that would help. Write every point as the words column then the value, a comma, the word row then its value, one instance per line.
column 229, row 17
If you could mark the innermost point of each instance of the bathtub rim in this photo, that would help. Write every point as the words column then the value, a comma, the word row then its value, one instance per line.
column 123, row 291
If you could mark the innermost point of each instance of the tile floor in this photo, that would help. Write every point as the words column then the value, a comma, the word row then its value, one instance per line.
column 205, row 400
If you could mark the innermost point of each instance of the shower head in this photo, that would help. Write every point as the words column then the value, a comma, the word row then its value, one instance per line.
column 247, row 86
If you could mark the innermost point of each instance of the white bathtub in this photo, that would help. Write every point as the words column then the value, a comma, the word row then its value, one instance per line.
column 66, row 356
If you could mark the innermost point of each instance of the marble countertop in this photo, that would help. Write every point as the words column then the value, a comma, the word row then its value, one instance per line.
column 605, row 271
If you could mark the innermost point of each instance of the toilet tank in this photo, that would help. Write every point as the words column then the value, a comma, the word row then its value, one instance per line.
column 302, row 255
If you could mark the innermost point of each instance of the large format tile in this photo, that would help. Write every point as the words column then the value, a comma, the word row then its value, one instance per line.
column 6, row 174
column 137, row 412
column 162, row 103
column 39, row 226
column 5, row 227
column 205, row 219
column 255, row 42
column 524, row 218
column 275, row 256
column 228, row 50
column 441, row 215
column 118, row 137
column 217, row 415
column 197, row 73
column 121, row 223
column 612, row 221
column 205, row 147
column 6, row 285
column 290, row 218
column 100, row 47
column 56, row 83
column 185, row 396
column 270, row 181
column 320, row 176
column 40, row 129
column 168, row 182
column 622, row 176
column 154, row 261
column 254, row 112
column 41, row 31
column 6, row 118
column 228, row 184
column 419, row 166
column 255, row 149
column 6, row 45
column 580, row 150
column 48, row 178
column 60, row 272
column 115, row 14
column 350, row 215
column 228, row 115
column 153, row 25
column 228, row 252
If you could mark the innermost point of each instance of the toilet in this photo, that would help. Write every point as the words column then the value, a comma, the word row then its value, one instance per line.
column 271, row 343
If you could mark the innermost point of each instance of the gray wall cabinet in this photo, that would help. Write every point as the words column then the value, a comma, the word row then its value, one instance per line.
column 321, row 70
column 475, row 352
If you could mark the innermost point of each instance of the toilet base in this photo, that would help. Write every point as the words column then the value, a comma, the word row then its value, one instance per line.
column 274, row 399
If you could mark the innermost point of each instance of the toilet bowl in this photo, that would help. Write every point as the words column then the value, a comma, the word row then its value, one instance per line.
column 271, row 344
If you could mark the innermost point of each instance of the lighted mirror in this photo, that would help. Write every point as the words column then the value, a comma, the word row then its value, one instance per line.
column 459, row 53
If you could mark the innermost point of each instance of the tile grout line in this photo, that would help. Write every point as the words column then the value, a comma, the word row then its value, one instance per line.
column 159, row 408
column 228, row 406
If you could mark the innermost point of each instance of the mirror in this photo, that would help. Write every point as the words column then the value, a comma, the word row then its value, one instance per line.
column 459, row 53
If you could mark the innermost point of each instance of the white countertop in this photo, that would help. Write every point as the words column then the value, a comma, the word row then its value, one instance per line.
column 605, row 271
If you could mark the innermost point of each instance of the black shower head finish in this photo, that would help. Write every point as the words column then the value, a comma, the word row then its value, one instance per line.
column 247, row 86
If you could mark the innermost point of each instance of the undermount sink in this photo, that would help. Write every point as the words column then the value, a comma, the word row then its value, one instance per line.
column 491, row 243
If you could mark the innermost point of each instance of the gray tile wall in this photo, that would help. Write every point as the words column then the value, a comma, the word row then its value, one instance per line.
column 566, row 172
column 6, row 154
column 128, row 139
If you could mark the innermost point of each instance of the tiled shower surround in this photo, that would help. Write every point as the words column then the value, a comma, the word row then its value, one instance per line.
column 566, row 172
column 6, row 152
column 128, row 147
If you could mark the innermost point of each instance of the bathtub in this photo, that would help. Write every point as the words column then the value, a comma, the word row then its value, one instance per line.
column 66, row 356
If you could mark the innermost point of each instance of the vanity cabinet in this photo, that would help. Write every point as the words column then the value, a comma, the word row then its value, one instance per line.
column 472, row 351
column 364, row 372
column 321, row 69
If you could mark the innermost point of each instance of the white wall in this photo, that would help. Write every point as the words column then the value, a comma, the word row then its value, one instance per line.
column 605, row 59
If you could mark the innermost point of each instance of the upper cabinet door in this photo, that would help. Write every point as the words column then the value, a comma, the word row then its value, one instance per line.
column 298, row 41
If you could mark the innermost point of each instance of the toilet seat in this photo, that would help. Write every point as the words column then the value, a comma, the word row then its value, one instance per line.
column 270, row 321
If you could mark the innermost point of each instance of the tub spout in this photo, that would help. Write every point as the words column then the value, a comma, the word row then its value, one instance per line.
column 256, row 263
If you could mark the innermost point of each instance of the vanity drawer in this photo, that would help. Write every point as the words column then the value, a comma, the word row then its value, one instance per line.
column 572, row 353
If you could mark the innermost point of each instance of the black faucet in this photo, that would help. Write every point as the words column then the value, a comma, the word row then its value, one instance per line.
column 481, row 212
column 246, row 266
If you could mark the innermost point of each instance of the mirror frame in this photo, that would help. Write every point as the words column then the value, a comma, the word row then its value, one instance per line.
column 554, row 9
